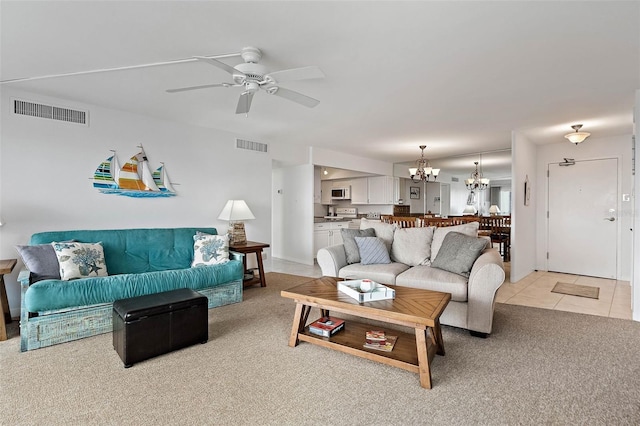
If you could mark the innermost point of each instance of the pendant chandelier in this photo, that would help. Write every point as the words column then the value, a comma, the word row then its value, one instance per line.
column 477, row 181
column 423, row 171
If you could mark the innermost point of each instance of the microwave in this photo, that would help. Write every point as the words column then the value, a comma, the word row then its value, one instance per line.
column 341, row 193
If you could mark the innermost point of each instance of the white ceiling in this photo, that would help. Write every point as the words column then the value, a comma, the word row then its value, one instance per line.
column 458, row 77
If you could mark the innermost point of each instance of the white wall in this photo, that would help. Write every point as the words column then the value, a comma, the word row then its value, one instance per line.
column 635, row 279
column 523, row 218
column 611, row 147
column 46, row 166
column 293, row 213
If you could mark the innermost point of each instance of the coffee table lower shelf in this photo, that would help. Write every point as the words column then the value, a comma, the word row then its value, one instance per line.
column 352, row 338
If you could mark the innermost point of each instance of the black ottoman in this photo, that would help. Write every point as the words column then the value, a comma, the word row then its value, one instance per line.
column 147, row 326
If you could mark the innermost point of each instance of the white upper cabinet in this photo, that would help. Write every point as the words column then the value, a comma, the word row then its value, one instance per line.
column 360, row 191
column 326, row 186
column 375, row 190
column 382, row 190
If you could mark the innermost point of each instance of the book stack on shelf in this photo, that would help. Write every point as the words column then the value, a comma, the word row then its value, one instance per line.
column 326, row 326
column 378, row 340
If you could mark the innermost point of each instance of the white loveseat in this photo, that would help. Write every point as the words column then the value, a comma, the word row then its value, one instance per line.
column 412, row 252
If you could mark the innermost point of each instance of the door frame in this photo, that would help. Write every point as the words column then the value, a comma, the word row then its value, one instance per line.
column 618, row 208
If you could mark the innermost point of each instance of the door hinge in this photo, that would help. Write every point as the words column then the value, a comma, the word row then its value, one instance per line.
column 547, row 214
column 547, row 255
column 547, row 172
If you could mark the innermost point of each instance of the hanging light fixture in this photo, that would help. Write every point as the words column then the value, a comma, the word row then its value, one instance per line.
column 423, row 171
column 477, row 181
column 577, row 136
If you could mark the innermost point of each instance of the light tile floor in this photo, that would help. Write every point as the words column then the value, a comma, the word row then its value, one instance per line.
column 534, row 290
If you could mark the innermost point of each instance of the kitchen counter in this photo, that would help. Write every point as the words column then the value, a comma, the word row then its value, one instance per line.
column 323, row 220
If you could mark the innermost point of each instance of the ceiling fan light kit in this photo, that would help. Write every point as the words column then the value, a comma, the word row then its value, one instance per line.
column 253, row 76
column 577, row 136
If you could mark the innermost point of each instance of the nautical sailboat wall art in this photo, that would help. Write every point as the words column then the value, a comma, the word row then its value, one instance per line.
column 134, row 179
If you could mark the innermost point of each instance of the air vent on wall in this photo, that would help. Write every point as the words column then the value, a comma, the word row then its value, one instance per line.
column 250, row 145
column 454, row 179
column 49, row 111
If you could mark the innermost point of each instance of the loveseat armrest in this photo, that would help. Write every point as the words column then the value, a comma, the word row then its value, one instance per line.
column 331, row 259
column 234, row 255
column 24, row 277
column 487, row 275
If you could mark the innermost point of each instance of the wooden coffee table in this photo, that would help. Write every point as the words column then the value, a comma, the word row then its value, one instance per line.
column 415, row 308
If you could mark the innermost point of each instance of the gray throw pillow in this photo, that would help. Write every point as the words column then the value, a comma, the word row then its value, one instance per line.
column 458, row 253
column 350, row 246
column 372, row 250
column 41, row 261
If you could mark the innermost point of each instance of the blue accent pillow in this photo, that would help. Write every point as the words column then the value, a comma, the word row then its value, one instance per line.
column 350, row 247
column 373, row 250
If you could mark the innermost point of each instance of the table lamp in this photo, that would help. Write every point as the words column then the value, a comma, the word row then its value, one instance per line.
column 235, row 211
column 494, row 210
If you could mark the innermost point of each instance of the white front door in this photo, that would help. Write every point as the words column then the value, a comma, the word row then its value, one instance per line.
column 583, row 218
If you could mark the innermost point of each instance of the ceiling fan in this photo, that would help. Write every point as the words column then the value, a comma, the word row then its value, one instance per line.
column 254, row 77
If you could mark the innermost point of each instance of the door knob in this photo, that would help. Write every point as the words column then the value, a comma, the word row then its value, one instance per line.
column 610, row 219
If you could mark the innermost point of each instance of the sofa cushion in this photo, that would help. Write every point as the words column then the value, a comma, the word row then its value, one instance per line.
column 41, row 261
column 470, row 229
column 429, row 278
column 80, row 260
column 458, row 253
column 372, row 250
column 383, row 230
column 48, row 295
column 382, row 273
column 350, row 246
column 412, row 245
column 210, row 249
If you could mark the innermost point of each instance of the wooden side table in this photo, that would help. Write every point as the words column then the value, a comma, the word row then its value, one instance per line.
column 251, row 247
column 6, row 266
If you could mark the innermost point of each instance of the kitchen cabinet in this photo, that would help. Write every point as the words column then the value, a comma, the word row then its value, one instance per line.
column 327, row 234
column 360, row 191
column 375, row 190
column 325, row 195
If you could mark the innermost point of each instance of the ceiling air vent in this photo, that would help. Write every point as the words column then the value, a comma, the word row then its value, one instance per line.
column 49, row 111
column 250, row 145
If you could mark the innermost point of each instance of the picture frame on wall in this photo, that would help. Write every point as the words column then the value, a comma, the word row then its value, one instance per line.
column 414, row 192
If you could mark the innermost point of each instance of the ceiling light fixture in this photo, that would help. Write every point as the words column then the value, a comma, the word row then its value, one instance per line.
column 424, row 171
column 577, row 136
column 477, row 181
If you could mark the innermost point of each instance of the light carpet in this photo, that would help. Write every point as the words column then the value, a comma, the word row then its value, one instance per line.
column 538, row 367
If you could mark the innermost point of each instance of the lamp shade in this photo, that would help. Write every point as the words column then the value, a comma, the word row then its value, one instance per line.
column 236, row 210
column 469, row 210
column 494, row 209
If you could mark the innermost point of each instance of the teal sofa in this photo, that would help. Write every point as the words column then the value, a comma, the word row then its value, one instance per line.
column 139, row 262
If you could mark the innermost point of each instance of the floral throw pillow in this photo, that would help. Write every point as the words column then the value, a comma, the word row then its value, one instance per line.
column 80, row 260
column 210, row 249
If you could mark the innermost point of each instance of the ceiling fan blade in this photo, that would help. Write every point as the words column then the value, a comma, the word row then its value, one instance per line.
column 228, row 68
column 244, row 103
column 293, row 96
column 304, row 73
column 205, row 86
